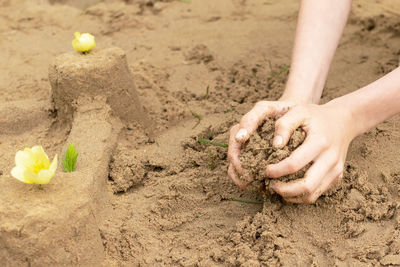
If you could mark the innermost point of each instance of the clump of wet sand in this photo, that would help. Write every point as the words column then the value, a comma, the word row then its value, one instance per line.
column 258, row 152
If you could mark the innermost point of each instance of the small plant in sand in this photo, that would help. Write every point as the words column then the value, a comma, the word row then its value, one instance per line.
column 198, row 117
column 83, row 42
column 209, row 142
column 70, row 158
column 33, row 166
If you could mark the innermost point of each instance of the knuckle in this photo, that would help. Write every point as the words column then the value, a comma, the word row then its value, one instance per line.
column 291, row 166
column 311, row 199
column 338, row 170
column 323, row 142
column 248, row 118
column 280, row 124
column 308, row 188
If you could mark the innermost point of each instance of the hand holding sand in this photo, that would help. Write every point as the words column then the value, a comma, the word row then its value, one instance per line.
column 329, row 133
column 241, row 132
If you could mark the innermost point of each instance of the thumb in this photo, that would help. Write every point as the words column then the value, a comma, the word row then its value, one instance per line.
column 285, row 126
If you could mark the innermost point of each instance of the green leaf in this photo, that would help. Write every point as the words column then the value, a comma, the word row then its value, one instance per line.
column 198, row 117
column 207, row 92
column 206, row 141
column 70, row 158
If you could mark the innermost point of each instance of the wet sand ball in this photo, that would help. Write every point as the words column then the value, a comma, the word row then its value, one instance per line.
column 258, row 152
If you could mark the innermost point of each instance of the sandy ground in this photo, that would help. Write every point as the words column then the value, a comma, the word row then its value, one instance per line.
column 168, row 198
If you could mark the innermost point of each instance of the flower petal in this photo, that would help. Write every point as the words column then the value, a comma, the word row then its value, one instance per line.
column 45, row 176
column 41, row 157
column 18, row 173
column 23, row 158
column 30, row 176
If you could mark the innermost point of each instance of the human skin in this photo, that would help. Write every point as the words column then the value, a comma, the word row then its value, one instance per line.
column 320, row 26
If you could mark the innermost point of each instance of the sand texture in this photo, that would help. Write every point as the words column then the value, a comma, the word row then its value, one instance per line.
column 164, row 75
column 258, row 152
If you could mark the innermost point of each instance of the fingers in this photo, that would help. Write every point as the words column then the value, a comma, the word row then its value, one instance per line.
column 254, row 117
column 286, row 125
column 232, row 174
column 310, row 199
column 234, row 150
column 312, row 180
column 299, row 158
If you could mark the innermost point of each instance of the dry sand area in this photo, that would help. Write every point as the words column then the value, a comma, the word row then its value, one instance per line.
column 163, row 74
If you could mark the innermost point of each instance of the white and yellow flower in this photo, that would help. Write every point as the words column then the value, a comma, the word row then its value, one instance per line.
column 33, row 166
column 83, row 42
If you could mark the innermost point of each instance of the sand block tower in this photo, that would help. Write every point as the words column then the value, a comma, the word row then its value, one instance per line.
column 99, row 73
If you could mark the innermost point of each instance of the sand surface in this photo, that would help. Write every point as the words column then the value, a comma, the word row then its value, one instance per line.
column 159, row 197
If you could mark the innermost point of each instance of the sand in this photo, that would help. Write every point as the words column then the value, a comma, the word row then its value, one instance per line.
column 258, row 152
column 163, row 198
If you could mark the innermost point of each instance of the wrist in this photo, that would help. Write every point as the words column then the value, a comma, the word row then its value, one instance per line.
column 299, row 96
column 302, row 91
column 295, row 98
column 347, row 108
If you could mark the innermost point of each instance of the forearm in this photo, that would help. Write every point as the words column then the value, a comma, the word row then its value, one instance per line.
column 373, row 103
column 320, row 25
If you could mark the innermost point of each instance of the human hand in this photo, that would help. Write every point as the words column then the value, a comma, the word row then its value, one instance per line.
column 241, row 132
column 330, row 130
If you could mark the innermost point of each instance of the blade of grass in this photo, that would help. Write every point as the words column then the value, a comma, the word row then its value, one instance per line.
column 207, row 91
column 198, row 117
column 284, row 68
column 229, row 110
column 209, row 142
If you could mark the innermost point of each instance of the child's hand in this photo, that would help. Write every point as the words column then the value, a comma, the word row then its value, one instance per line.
column 329, row 133
column 241, row 132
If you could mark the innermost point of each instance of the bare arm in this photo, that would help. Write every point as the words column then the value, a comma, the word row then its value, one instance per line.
column 319, row 28
column 373, row 103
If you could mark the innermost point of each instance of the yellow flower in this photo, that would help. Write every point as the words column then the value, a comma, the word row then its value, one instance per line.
column 83, row 42
column 33, row 166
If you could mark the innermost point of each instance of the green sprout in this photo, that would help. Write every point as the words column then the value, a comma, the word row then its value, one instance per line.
column 283, row 69
column 229, row 110
column 198, row 117
column 209, row 142
column 207, row 92
column 69, row 159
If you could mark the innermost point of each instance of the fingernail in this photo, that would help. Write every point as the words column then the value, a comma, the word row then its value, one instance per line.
column 278, row 140
column 241, row 135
